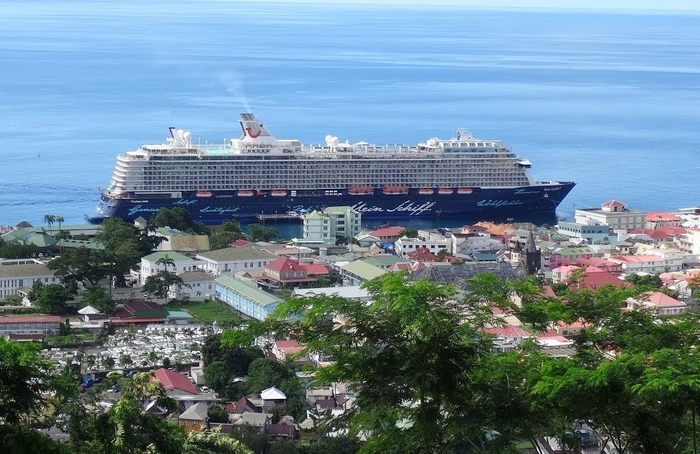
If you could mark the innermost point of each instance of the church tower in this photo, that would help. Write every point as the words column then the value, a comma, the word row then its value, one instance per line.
column 531, row 257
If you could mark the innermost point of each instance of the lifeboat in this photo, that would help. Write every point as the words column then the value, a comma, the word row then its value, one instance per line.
column 464, row 191
column 360, row 190
column 260, row 192
column 245, row 193
column 279, row 193
column 425, row 191
column 395, row 190
column 204, row 193
column 445, row 191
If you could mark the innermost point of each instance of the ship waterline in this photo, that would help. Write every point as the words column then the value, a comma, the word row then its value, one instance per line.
column 260, row 175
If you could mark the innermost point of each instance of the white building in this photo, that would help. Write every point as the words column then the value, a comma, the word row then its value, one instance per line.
column 332, row 223
column 230, row 260
column 614, row 214
column 434, row 241
column 465, row 244
column 635, row 264
column 198, row 286
column 18, row 274
column 151, row 267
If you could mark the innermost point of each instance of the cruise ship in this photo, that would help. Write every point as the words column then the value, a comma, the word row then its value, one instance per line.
column 258, row 174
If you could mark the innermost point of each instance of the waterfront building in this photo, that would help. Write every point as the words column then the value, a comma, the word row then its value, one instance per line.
column 614, row 214
column 331, row 223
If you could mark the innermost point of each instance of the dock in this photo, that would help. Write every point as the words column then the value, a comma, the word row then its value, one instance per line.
column 278, row 217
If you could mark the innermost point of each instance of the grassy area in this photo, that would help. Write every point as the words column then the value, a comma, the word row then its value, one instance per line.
column 206, row 311
column 70, row 339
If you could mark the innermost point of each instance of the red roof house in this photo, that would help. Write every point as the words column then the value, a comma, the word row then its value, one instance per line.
column 174, row 381
column 286, row 270
column 422, row 254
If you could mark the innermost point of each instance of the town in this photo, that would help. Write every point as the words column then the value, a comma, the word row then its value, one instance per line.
column 308, row 344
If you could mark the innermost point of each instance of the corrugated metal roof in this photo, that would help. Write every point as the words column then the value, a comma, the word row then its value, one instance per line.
column 253, row 293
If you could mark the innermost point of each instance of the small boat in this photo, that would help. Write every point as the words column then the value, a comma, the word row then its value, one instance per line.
column 360, row 190
column 204, row 193
column 464, row 191
column 245, row 193
column 395, row 190
column 425, row 191
column 279, row 193
column 445, row 191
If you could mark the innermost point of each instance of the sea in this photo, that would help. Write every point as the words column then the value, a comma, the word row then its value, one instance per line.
column 609, row 99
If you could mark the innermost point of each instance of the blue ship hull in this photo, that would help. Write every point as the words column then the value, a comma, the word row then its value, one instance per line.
column 493, row 204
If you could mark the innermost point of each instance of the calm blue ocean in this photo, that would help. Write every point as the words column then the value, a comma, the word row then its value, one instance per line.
column 609, row 100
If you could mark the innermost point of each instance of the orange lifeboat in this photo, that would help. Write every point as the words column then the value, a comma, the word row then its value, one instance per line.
column 279, row 193
column 464, row 191
column 245, row 193
column 360, row 190
column 425, row 191
column 445, row 191
column 395, row 190
column 204, row 193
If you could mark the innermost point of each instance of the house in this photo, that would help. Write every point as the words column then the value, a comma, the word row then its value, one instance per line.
column 357, row 272
column 433, row 241
column 387, row 234
column 285, row 428
column 272, row 397
column 230, row 260
column 259, row 420
column 197, row 286
column 174, row 382
column 422, row 255
column 634, row 264
column 245, row 298
column 507, row 337
column 150, row 265
column 139, row 312
column 246, row 404
column 283, row 349
column 656, row 219
column 195, row 418
column 658, row 302
column 286, row 271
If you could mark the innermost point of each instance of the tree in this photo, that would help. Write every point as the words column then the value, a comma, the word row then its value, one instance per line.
column 83, row 265
column 50, row 219
column 27, row 382
column 125, row 360
column 264, row 373
column 51, row 298
column 98, row 297
column 257, row 232
column 177, row 218
column 124, row 246
column 409, row 233
column 166, row 362
column 159, row 284
column 217, row 414
column 14, row 250
column 108, row 362
column 408, row 355
column 166, row 261
column 230, row 232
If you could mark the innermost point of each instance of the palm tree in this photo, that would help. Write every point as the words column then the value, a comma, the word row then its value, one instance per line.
column 50, row 219
column 59, row 219
column 166, row 262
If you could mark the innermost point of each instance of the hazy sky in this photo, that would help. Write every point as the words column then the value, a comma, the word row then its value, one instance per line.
column 636, row 5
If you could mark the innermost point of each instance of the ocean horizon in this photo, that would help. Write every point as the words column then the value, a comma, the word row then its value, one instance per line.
column 608, row 99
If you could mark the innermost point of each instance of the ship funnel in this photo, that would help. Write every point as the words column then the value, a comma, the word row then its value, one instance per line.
column 253, row 130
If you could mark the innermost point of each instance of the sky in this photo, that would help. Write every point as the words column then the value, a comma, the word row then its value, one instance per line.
column 630, row 5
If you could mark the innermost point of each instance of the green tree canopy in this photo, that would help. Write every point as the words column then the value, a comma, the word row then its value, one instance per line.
column 87, row 266
column 177, row 218
column 257, row 232
column 51, row 298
